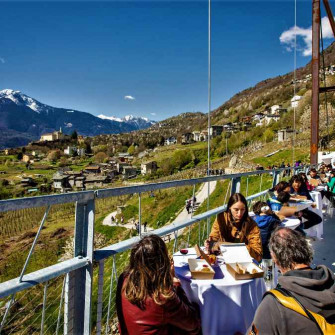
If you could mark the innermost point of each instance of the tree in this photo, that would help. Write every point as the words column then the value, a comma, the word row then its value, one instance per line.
column 4, row 182
column 62, row 162
column 181, row 158
column 268, row 135
column 54, row 155
column 74, row 135
column 19, row 156
column 88, row 148
column 100, row 157
column 131, row 150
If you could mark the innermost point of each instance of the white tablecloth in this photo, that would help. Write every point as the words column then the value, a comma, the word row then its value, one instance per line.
column 226, row 305
column 291, row 222
column 317, row 198
column 316, row 231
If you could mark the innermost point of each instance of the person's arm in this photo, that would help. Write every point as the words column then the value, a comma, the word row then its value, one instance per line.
column 254, row 241
column 181, row 313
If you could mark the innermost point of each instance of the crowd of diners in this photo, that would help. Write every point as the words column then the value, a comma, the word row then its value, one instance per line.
column 150, row 299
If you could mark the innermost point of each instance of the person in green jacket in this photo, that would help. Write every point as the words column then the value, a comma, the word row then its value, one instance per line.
column 331, row 182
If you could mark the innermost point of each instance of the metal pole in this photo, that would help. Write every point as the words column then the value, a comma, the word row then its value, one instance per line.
column 209, row 105
column 315, row 82
column 78, row 288
column 295, row 81
column 330, row 15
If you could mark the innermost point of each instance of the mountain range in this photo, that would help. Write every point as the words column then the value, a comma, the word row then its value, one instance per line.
column 23, row 119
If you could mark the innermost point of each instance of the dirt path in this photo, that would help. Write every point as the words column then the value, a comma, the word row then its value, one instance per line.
column 201, row 196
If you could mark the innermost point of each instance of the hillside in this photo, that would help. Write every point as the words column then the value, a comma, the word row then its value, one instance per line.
column 259, row 98
column 271, row 91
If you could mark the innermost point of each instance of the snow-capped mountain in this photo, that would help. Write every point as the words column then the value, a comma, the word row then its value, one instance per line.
column 23, row 118
column 140, row 122
column 21, row 99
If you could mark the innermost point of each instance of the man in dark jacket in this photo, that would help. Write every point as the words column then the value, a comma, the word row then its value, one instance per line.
column 313, row 288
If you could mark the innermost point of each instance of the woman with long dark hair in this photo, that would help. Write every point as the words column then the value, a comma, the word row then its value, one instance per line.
column 149, row 298
column 235, row 225
column 298, row 187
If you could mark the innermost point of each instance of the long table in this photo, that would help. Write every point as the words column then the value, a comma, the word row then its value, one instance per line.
column 226, row 305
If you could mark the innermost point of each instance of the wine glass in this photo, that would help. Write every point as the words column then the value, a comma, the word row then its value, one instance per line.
column 184, row 251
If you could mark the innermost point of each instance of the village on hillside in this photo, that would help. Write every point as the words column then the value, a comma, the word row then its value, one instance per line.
column 102, row 169
column 59, row 162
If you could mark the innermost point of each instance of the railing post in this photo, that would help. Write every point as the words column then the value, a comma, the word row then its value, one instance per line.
column 275, row 180
column 78, row 291
column 236, row 185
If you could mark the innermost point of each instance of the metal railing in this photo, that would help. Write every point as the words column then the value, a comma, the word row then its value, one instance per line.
column 79, row 293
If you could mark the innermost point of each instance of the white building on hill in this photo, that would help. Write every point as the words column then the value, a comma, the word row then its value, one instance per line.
column 49, row 137
column 295, row 101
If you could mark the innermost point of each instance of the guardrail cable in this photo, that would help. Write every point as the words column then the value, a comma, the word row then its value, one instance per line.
column 188, row 236
column 60, row 305
column 9, row 304
column 199, row 232
column 110, row 294
column 25, row 266
column 49, row 295
column 261, row 184
column 175, row 244
column 228, row 189
column 100, row 295
column 193, row 202
column 139, row 215
column 205, row 228
column 43, row 309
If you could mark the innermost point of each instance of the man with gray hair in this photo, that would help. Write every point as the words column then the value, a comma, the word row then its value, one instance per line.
column 313, row 288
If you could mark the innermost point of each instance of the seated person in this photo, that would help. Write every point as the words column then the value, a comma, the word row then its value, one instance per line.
column 235, row 225
column 149, row 299
column 305, row 184
column 307, row 217
column 266, row 221
column 331, row 183
column 314, row 288
column 299, row 188
column 313, row 176
column 281, row 201
column 273, row 202
column 280, row 187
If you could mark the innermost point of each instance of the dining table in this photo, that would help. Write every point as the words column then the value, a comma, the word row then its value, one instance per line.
column 227, row 306
column 317, row 230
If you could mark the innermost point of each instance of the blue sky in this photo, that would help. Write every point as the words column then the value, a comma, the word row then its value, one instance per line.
column 146, row 58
